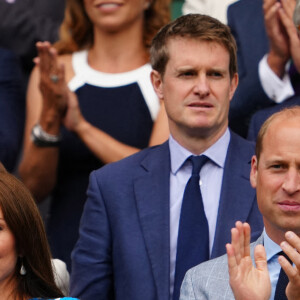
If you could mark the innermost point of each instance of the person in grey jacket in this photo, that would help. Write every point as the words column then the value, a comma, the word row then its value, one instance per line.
column 255, row 271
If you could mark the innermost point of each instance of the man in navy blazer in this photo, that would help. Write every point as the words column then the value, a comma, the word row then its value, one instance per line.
column 264, row 49
column 129, row 227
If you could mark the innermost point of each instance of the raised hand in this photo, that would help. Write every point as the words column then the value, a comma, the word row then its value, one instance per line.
column 279, row 53
column 291, row 247
column 247, row 281
column 52, row 80
column 286, row 16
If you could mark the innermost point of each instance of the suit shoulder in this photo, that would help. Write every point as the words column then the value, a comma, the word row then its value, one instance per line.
column 244, row 5
column 216, row 267
column 130, row 163
column 243, row 145
column 211, row 279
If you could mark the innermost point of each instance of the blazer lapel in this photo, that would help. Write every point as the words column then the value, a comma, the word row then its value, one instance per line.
column 237, row 195
column 151, row 188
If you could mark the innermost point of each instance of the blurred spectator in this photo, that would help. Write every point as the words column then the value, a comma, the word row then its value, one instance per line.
column 264, row 81
column 24, row 22
column 12, row 108
column 113, row 113
column 284, row 47
column 213, row 8
column 259, row 117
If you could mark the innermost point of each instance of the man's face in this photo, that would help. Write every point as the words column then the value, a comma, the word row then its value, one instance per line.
column 196, row 88
column 276, row 178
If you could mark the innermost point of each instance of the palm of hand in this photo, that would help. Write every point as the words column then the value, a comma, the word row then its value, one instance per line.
column 249, row 282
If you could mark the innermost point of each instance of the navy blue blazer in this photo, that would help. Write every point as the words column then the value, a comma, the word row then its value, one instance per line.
column 12, row 108
column 123, row 251
column 246, row 21
column 261, row 116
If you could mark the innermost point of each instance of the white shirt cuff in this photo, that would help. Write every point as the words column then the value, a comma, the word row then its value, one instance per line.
column 277, row 89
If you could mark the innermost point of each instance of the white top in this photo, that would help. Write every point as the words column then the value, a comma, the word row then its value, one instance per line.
column 213, row 8
column 84, row 74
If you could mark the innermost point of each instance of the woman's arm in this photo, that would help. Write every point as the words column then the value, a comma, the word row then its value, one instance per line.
column 46, row 105
column 105, row 147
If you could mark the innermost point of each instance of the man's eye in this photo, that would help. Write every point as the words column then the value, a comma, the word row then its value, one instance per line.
column 215, row 74
column 187, row 74
column 276, row 166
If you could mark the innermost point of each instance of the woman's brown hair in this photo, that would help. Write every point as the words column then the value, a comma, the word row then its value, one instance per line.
column 76, row 31
column 24, row 221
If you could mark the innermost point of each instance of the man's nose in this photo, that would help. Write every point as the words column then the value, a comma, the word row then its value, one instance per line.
column 291, row 182
column 201, row 86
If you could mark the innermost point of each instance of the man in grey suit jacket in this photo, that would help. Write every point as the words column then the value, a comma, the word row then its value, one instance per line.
column 253, row 271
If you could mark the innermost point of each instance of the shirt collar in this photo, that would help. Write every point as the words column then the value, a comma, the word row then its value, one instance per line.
column 216, row 153
column 271, row 247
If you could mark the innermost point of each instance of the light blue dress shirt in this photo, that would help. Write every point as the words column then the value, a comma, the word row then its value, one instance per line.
column 274, row 267
column 211, row 176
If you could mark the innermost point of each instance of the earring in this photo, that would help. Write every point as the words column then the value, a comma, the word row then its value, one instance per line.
column 23, row 270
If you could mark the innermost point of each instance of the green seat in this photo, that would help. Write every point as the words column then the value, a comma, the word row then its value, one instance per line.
column 176, row 7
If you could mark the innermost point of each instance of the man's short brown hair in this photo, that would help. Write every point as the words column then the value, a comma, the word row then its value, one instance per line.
column 201, row 27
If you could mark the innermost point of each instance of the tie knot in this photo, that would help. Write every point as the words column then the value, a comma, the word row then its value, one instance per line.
column 197, row 163
column 283, row 254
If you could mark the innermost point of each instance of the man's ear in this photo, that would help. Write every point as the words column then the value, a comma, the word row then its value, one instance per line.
column 253, row 173
column 157, row 83
column 233, row 85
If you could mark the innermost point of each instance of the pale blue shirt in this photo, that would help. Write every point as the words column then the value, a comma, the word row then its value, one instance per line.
column 274, row 267
column 211, row 176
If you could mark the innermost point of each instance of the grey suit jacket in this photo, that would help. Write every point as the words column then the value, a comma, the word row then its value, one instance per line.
column 210, row 280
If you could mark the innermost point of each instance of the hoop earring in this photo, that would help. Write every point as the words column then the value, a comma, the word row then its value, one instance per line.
column 22, row 270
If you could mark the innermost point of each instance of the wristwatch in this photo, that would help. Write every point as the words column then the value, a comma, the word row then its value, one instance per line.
column 43, row 139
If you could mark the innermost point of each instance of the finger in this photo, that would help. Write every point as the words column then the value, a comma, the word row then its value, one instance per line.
column 293, row 37
column 235, row 242
column 289, row 26
column 291, row 247
column 260, row 258
column 231, row 260
column 267, row 4
column 42, row 48
column 290, row 271
column 272, row 20
column 48, row 59
column 247, row 237
column 293, row 240
column 240, row 228
column 289, row 7
column 270, row 11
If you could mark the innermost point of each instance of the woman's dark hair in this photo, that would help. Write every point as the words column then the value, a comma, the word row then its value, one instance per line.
column 24, row 221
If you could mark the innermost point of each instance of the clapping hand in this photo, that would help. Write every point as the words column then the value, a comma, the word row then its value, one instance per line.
column 247, row 281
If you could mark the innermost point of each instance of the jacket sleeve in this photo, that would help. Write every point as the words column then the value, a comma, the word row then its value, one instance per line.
column 91, row 276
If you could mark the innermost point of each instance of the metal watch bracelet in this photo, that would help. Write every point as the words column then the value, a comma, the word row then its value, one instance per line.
column 43, row 139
